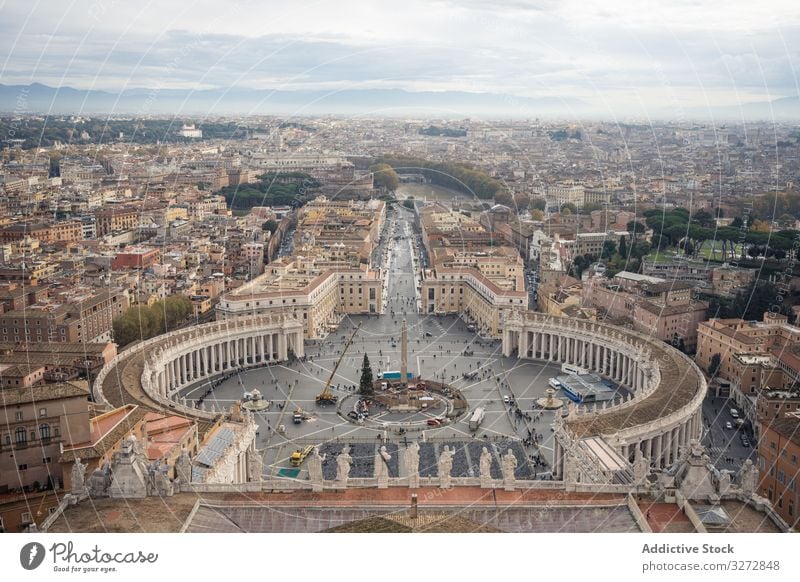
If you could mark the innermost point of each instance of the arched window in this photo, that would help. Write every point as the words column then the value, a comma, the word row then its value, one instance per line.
column 44, row 431
column 20, row 436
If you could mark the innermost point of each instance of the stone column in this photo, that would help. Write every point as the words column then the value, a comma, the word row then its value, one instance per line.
column 282, row 351
column 558, row 459
column 657, row 450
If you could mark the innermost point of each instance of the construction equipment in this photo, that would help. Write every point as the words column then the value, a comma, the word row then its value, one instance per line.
column 326, row 396
column 300, row 455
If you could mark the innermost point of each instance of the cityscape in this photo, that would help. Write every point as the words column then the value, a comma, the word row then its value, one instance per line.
column 438, row 312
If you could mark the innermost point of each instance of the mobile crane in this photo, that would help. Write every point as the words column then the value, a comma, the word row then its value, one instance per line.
column 326, row 396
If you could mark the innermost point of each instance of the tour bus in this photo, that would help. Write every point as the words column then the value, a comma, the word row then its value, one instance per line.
column 573, row 369
column 394, row 375
column 476, row 419
column 576, row 397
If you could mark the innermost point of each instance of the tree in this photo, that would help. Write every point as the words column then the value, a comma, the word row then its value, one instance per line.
column 636, row 228
column 609, row 248
column 569, row 208
column 521, row 201
column 384, row 176
column 539, row 204
column 141, row 322
column 623, row 247
column 714, row 364
column 505, row 198
column 537, row 214
column 408, row 203
column 365, row 387
column 703, row 218
column 270, row 225
column 590, row 207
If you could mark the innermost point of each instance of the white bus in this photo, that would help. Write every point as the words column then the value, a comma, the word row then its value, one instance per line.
column 476, row 419
column 573, row 369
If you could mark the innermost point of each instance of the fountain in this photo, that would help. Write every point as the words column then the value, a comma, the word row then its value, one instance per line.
column 550, row 402
column 253, row 401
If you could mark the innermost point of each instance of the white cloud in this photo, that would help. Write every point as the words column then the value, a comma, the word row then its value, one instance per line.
column 625, row 49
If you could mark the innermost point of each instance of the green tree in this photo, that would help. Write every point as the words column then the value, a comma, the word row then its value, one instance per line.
column 636, row 228
column 539, row 204
column 590, row 207
column 609, row 248
column 384, row 176
column 569, row 208
column 141, row 322
column 521, row 201
column 505, row 198
column 271, row 225
column 703, row 218
column 365, row 386
column 408, row 203
column 714, row 364
column 623, row 247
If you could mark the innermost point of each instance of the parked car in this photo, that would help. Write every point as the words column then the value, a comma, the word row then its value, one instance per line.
column 728, row 425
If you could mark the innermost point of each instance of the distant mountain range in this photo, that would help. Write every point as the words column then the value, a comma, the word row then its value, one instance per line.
column 38, row 98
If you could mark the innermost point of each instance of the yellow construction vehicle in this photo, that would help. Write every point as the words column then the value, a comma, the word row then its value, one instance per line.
column 326, row 396
column 300, row 455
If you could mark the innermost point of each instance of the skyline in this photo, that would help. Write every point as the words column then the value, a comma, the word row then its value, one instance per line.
column 620, row 59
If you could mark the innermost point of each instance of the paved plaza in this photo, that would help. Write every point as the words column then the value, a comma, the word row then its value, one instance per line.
column 437, row 348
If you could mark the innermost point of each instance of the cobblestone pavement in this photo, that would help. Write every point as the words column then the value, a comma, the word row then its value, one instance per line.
column 436, row 351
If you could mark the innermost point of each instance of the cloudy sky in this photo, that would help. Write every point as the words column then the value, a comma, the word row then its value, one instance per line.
column 622, row 53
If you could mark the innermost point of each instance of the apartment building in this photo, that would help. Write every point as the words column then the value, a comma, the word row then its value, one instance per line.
column 109, row 220
column 779, row 465
column 37, row 421
column 753, row 356
column 662, row 309
column 76, row 315
column 299, row 287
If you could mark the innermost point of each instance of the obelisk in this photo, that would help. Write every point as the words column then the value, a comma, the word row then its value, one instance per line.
column 404, row 356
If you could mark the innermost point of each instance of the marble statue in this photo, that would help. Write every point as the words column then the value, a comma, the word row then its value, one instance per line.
column 486, row 468
column 100, row 481
column 183, row 467
column 444, row 467
column 724, row 483
column 343, row 461
column 748, row 478
column 78, row 477
column 509, row 464
column 641, row 467
column 162, row 484
column 412, row 465
column 381, row 469
column 315, row 475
